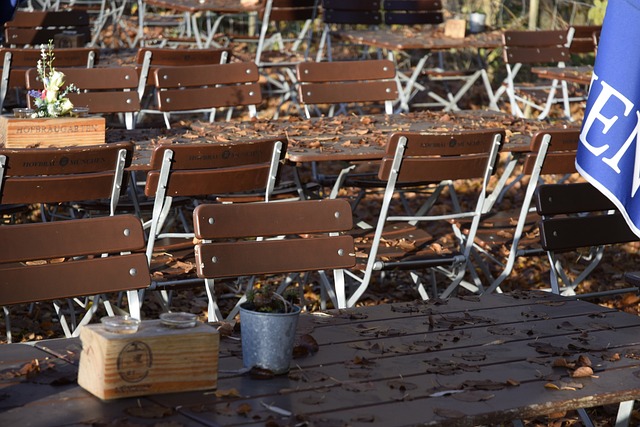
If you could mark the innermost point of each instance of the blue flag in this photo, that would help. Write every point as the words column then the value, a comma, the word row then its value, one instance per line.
column 609, row 154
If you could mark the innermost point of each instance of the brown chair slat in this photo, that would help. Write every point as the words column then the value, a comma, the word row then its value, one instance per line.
column 533, row 55
column 181, row 57
column 274, row 256
column 272, row 219
column 340, row 71
column 46, row 240
column 349, row 92
column 534, row 39
column 209, row 97
column 556, row 199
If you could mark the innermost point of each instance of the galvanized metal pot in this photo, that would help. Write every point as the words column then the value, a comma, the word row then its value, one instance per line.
column 268, row 338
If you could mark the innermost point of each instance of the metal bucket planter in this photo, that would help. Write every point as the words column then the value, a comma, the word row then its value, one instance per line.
column 268, row 338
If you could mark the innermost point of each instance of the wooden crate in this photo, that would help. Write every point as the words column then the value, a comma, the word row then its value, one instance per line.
column 154, row 360
column 51, row 132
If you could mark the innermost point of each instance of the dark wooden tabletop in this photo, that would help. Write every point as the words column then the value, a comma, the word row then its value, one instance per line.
column 420, row 38
column 340, row 138
column 581, row 75
column 461, row 362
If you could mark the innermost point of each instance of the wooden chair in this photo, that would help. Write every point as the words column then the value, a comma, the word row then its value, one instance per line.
column 34, row 28
column 61, row 180
column 108, row 90
column 205, row 88
column 67, row 259
column 577, row 216
column 16, row 62
column 437, row 159
column 525, row 48
column 191, row 173
column 347, row 82
column 550, row 158
column 236, row 240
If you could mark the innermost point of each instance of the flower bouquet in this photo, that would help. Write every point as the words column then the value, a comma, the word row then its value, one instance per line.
column 52, row 101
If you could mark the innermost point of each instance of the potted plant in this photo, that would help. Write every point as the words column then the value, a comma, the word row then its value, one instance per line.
column 268, row 322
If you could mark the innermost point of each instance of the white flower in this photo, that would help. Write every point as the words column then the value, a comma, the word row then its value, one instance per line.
column 65, row 106
column 56, row 80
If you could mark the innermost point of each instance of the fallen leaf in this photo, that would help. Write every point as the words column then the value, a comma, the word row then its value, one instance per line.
column 581, row 372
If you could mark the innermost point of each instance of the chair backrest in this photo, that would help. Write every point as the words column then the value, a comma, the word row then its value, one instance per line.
column 367, row 12
column 529, row 47
column 578, row 216
column 219, row 257
column 64, row 174
column 82, row 242
column 207, row 86
column 16, row 62
column 412, row 12
column 575, row 217
column 584, row 38
column 203, row 169
column 148, row 59
column 208, row 169
column 437, row 156
column 347, row 82
column 560, row 155
column 38, row 27
column 103, row 90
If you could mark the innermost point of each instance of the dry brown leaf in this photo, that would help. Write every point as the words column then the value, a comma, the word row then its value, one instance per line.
column 232, row 392
column 581, row 372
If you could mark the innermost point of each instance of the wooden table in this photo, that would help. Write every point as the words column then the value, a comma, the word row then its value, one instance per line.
column 427, row 40
column 580, row 75
column 341, row 138
column 461, row 362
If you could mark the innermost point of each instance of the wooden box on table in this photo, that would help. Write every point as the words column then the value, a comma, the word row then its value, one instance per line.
column 155, row 359
column 51, row 132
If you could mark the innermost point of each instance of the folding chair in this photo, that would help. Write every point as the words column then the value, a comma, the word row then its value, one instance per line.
column 68, row 259
column 527, row 48
column 265, row 239
column 551, row 156
column 440, row 159
column 16, row 61
column 61, row 180
column 107, row 90
column 577, row 216
column 197, row 172
column 37, row 27
column 205, row 88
